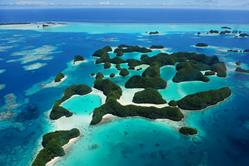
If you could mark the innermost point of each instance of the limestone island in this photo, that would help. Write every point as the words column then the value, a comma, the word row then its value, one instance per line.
column 156, row 47
column 78, row 58
column 112, row 106
column 59, row 77
column 154, row 33
column 58, row 111
column 204, row 99
column 201, row 45
column 241, row 70
column 150, row 96
column 52, row 144
column 187, row 131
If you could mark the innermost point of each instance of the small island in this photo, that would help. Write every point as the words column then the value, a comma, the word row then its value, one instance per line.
column 241, row 70
column 201, row 45
column 156, row 47
column 153, row 33
column 109, row 88
column 146, row 82
column 124, row 72
column 53, row 145
column 59, row 77
column 78, row 58
column 204, row 99
column 150, row 96
column 187, row 131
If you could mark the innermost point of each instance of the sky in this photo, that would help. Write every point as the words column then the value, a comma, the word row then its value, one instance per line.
column 203, row 4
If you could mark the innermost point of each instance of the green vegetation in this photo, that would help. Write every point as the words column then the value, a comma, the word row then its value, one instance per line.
column 127, row 49
column 107, row 65
column 103, row 55
column 187, row 131
column 124, row 72
column 59, row 77
column 191, row 70
column 117, row 60
column 189, row 74
column 146, row 82
column 99, row 76
column 152, row 71
column 52, row 145
column 243, row 35
column 214, row 31
column 78, row 58
column 154, row 33
column 112, row 75
column 115, row 108
column 156, row 47
column 110, row 89
column 132, row 63
column 103, row 51
column 241, row 70
column 58, row 111
column 173, row 103
column 201, row 45
column 220, row 68
column 204, row 99
column 148, row 96
column 118, row 67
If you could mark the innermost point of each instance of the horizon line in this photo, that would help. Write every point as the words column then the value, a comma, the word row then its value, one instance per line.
column 118, row 7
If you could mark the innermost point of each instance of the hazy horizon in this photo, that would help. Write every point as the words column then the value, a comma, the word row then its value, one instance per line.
column 169, row 4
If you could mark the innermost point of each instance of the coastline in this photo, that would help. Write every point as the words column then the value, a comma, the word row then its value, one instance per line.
column 66, row 148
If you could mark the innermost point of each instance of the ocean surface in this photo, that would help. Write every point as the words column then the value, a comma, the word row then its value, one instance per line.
column 121, row 15
column 30, row 57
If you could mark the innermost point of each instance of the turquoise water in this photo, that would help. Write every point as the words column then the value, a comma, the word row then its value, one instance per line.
column 223, row 129
column 82, row 105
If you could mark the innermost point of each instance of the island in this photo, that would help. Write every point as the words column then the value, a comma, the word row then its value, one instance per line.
column 58, row 111
column 146, row 82
column 150, row 96
column 124, row 72
column 191, row 71
column 213, row 31
column 154, row 33
column 78, row 58
column 59, row 77
column 112, row 75
column 241, row 70
column 52, row 144
column 109, row 88
column 99, row 75
column 204, row 99
column 156, row 47
column 243, row 35
column 115, row 108
column 188, row 131
column 107, row 65
column 201, row 45
column 127, row 49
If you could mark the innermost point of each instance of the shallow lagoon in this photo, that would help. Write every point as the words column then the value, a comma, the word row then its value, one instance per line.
column 223, row 129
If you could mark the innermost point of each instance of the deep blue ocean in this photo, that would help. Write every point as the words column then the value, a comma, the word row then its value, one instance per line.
column 30, row 58
column 125, row 15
